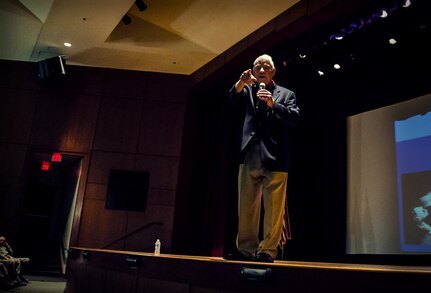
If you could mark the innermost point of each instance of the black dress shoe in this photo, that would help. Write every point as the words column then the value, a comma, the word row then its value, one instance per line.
column 237, row 255
column 263, row 257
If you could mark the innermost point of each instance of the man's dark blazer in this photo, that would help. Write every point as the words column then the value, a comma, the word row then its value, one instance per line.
column 270, row 127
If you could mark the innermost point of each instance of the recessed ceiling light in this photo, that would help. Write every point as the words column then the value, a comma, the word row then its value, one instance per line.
column 68, row 44
column 392, row 41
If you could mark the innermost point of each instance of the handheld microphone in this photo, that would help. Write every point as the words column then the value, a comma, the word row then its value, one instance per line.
column 261, row 104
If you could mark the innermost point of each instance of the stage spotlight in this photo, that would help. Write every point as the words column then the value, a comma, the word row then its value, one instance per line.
column 126, row 19
column 407, row 3
column 141, row 5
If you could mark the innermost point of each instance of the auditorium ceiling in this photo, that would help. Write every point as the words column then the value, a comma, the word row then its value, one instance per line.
column 164, row 36
column 171, row 36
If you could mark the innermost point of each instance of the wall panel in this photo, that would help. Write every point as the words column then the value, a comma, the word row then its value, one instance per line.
column 16, row 114
column 163, row 170
column 118, row 125
column 103, row 162
column 125, row 84
column 100, row 226
column 161, row 128
column 65, row 122
column 96, row 191
column 97, row 113
column 145, row 239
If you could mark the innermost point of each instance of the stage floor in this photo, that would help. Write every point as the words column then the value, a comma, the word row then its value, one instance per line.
column 282, row 263
column 91, row 269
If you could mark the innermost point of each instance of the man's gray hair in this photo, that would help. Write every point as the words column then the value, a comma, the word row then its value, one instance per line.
column 263, row 58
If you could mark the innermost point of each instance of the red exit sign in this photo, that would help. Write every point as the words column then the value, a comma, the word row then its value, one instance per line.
column 56, row 157
column 45, row 166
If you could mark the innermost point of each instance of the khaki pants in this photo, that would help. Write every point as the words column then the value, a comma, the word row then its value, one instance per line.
column 254, row 183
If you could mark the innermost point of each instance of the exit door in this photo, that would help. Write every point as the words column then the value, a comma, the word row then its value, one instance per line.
column 47, row 215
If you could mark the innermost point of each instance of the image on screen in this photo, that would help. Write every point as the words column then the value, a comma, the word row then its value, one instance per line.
column 389, row 179
column 413, row 147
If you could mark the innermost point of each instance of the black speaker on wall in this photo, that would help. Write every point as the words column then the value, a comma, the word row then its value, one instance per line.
column 51, row 67
column 127, row 190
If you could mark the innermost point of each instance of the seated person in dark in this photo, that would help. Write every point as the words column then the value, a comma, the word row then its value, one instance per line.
column 13, row 264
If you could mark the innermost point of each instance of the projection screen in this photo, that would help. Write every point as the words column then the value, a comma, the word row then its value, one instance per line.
column 389, row 179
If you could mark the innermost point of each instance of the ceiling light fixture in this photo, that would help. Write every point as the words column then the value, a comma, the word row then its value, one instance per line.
column 384, row 14
column 392, row 41
column 66, row 44
column 126, row 19
column 141, row 5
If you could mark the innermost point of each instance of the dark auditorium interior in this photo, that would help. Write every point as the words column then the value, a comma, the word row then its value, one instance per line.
column 76, row 137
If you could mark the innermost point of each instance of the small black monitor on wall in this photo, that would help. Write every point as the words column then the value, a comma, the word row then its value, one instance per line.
column 127, row 190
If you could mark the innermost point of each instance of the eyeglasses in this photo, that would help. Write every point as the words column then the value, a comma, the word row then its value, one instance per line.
column 266, row 67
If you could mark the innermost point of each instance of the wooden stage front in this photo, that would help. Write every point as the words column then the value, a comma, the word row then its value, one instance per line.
column 97, row 270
